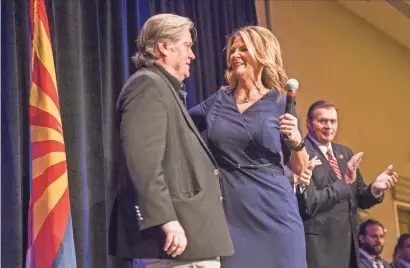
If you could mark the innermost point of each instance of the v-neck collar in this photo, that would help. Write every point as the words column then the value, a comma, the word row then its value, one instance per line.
column 253, row 104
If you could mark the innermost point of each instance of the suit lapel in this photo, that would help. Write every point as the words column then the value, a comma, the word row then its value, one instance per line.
column 322, row 158
column 184, row 111
column 318, row 152
column 365, row 262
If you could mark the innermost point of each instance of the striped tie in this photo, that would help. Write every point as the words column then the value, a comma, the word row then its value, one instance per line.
column 377, row 263
column 333, row 163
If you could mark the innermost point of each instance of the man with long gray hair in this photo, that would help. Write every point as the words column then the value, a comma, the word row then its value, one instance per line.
column 168, row 209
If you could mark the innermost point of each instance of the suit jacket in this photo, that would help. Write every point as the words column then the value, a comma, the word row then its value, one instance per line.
column 400, row 265
column 328, row 207
column 366, row 263
column 169, row 174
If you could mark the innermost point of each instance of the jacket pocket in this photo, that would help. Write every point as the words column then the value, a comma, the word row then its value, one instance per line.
column 314, row 225
column 189, row 196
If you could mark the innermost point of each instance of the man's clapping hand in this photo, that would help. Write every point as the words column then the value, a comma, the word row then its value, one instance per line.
column 385, row 180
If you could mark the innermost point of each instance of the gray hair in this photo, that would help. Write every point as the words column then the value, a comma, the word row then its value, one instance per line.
column 160, row 28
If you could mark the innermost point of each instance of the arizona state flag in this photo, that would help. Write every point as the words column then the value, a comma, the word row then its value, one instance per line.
column 50, row 240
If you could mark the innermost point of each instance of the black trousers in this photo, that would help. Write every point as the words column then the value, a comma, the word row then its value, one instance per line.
column 353, row 257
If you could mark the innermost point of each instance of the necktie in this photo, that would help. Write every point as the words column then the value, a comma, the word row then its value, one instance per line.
column 333, row 163
column 378, row 263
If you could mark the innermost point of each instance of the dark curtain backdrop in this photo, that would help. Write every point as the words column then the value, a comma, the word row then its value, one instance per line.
column 93, row 41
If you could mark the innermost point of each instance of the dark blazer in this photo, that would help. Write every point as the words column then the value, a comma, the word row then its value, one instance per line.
column 401, row 265
column 366, row 263
column 328, row 207
column 169, row 174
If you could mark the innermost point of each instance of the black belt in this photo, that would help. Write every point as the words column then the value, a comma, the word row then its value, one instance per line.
column 239, row 166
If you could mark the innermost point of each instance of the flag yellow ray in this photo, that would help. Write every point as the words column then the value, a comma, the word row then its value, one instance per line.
column 40, row 164
column 43, row 206
column 45, row 134
column 42, row 101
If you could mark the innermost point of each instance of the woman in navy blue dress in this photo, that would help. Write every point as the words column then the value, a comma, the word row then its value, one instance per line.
column 244, row 123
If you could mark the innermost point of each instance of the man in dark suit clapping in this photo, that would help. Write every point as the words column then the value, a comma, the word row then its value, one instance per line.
column 328, row 205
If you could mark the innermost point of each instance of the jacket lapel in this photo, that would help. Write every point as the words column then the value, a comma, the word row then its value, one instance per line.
column 365, row 262
column 184, row 111
column 318, row 152
column 322, row 158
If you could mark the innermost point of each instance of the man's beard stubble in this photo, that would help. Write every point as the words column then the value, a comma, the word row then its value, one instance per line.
column 373, row 250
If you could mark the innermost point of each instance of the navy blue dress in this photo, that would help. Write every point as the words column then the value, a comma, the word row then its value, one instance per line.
column 260, row 205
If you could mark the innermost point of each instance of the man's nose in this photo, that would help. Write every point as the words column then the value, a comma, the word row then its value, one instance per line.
column 191, row 54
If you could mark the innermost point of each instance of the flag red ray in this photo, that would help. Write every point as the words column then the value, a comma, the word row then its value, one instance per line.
column 50, row 236
column 41, row 148
column 41, row 77
column 41, row 183
column 43, row 17
column 42, row 118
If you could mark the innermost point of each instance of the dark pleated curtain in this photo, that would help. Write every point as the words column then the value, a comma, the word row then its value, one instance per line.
column 93, row 41
column 15, row 175
column 215, row 20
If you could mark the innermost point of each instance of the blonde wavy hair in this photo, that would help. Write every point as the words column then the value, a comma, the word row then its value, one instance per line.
column 264, row 48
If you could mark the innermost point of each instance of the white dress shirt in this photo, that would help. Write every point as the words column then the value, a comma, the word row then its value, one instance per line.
column 324, row 148
column 372, row 259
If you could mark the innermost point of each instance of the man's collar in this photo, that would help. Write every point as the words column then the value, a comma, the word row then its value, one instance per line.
column 371, row 258
column 315, row 141
column 367, row 255
column 178, row 85
column 322, row 147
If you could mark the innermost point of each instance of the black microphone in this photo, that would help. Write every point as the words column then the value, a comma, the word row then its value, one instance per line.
column 291, row 87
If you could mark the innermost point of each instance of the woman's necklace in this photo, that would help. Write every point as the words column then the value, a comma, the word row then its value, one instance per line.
column 247, row 98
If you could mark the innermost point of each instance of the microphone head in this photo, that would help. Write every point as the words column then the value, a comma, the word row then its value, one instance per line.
column 292, row 85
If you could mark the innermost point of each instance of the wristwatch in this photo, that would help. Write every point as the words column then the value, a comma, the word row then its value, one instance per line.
column 299, row 147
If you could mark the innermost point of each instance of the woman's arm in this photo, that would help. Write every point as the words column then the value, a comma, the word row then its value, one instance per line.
column 198, row 113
